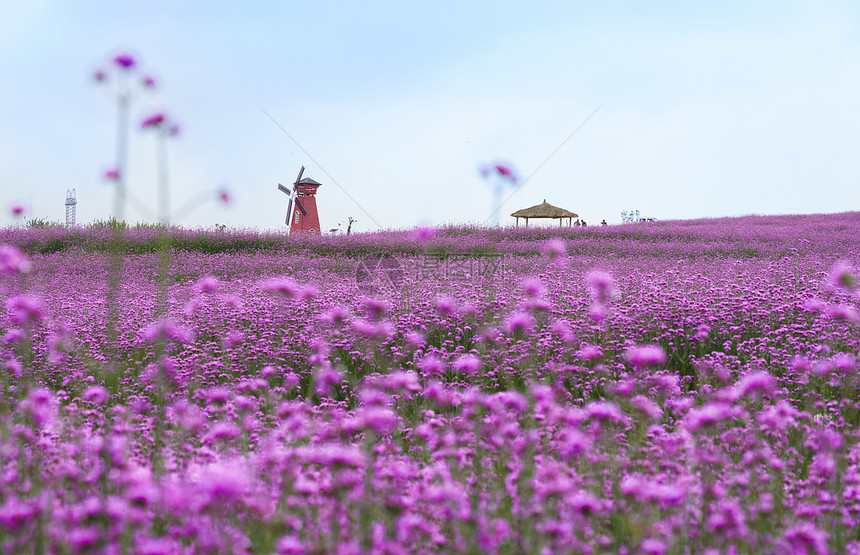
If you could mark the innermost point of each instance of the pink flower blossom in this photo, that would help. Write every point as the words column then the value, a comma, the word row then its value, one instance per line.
column 841, row 277
column 154, row 120
column 13, row 261
column 111, row 174
column 505, row 171
column 653, row 546
column 431, row 365
column 604, row 411
column 755, row 383
column 641, row 356
column 647, row 406
column 590, row 353
column 519, row 323
column 96, row 394
column 600, row 285
column 285, row 287
column 381, row 420
column 125, row 61
column 711, row 413
column 446, row 306
column 468, row 364
column 554, row 249
column 423, row 234
column 534, row 287
column 25, row 309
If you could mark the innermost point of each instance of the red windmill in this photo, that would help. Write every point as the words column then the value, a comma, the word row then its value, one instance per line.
column 303, row 217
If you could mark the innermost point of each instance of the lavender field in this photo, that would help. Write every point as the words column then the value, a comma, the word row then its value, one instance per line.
column 665, row 387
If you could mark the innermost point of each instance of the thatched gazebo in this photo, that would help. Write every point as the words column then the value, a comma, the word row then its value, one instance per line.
column 545, row 210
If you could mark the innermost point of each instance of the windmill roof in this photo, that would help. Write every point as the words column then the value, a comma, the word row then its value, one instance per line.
column 309, row 181
column 544, row 210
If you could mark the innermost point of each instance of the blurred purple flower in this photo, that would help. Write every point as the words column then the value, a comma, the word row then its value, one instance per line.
column 382, row 420
column 651, row 409
column 423, row 234
column 376, row 308
column 554, row 248
column 208, row 284
column 604, row 410
column 533, row 287
column 285, row 287
column 17, row 210
column 99, row 75
column 25, row 309
column 40, row 406
column 154, row 120
column 96, row 394
column 502, row 170
column 505, row 171
column 336, row 315
column 600, row 285
column 169, row 329
column 13, row 261
column 416, row 338
column 431, row 365
column 711, row 413
column 83, row 537
column 590, row 353
column 755, row 383
column 148, row 82
column 518, row 323
column 224, row 197
column 468, row 364
column 641, row 356
column 446, row 306
column 125, row 61
column 222, row 431
column 841, row 277
column 804, row 537
column 653, row 546
column 290, row 545
column 111, row 174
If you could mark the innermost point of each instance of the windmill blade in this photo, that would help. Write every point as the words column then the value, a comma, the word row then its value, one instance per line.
column 301, row 208
column 289, row 212
column 299, row 178
column 283, row 189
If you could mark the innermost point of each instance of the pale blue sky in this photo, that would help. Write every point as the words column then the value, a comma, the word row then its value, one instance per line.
column 706, row 108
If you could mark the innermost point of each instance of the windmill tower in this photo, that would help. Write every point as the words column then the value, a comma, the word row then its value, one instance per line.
column 71, row 206
column 302, row 215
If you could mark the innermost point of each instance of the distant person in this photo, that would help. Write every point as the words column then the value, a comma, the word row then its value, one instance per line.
column 577, row 224
column 603, row 223
column 584, row 224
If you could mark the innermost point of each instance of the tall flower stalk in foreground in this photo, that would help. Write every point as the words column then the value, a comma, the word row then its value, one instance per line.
column 122, row 75
column 501, row 176
column 163, row 128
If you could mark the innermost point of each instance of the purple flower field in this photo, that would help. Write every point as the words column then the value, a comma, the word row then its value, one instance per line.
column 667, row 387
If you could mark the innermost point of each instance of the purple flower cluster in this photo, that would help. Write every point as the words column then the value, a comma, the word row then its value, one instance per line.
column 666, row 400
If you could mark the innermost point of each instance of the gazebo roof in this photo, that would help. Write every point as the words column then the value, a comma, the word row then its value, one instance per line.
column 544, row 210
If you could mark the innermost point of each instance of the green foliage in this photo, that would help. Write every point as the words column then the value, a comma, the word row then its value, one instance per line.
column 43, row 223
column 111, row 223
